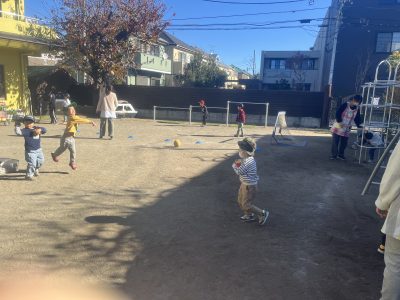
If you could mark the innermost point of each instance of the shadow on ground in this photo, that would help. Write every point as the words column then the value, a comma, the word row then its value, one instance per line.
column 319, row 243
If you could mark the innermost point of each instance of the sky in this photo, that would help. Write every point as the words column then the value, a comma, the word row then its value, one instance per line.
column 234, row 46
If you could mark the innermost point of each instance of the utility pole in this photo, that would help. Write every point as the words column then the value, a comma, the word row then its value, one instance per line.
column 335, row 40
column 254, row 63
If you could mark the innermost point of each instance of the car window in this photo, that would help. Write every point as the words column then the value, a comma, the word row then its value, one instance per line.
column 119, row 108
column 127, row 108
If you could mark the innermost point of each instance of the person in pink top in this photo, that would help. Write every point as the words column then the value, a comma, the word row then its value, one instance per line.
column 347, row 113
column 107, row 107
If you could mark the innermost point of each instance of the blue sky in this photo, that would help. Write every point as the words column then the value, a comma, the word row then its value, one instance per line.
column 234, row 47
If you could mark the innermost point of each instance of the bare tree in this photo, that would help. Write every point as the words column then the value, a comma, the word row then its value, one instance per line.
column 296, row 64
column 363, row 66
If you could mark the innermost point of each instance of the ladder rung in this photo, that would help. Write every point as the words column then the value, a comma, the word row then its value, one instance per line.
column 374, row 182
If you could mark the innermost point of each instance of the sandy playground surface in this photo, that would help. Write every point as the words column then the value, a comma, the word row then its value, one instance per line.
column 163, row 223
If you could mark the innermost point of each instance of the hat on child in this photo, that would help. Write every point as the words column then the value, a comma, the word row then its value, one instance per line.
column 29, row 119
column 248, row 145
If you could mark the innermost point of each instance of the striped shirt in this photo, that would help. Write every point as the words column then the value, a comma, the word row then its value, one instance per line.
column 247, row 171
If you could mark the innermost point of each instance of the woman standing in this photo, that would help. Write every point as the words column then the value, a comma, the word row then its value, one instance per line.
column 107, row 107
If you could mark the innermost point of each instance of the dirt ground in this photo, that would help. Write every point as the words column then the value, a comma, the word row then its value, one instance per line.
column 163, row 223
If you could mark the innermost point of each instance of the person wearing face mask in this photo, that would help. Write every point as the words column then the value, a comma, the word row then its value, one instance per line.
column 246, row 168
column 345, row 115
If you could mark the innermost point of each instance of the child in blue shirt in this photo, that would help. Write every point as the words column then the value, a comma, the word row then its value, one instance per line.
column 33, row 150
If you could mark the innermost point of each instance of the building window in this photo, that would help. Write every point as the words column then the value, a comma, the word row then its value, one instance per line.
column 308, row 64
column 388, row 42
column 277, row 64
column 2, row 83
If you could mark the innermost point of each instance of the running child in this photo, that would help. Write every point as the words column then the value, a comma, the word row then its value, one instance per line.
column 204, row 111
column 246, row 168
column 241, row 120
column 68, row 139
column 33, row 150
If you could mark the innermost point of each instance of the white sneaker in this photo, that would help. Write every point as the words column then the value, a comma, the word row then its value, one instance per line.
column 263, row 217
column 37, row 173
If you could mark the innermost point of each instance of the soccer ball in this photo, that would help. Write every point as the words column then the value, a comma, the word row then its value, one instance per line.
column 177, row 143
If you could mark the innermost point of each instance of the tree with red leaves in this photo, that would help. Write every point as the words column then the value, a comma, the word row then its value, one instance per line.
column 101, row 37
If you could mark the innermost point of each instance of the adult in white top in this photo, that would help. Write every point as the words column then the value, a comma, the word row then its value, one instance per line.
column 106, row 107
column 388, row 206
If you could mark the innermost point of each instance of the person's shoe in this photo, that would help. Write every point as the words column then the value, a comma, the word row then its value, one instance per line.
column 263, row 218
column 241, row 135
column 341, row 157
column 100, row 137
column 381, row 249
column 111, row 137
column 333, row 157
column 236, row 135
column 73, row 166
column 37, row 173
column 29, row 178
column 248, row 218
column 55, row 158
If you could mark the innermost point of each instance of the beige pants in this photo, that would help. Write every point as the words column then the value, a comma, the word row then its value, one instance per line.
column 391, row 276
column 247, row 195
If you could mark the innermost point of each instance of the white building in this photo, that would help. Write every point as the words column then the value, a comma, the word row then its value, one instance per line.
column 298, row 70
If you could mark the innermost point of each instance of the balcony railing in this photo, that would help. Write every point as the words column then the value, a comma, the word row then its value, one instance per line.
column 7, row 14
column 153, row 63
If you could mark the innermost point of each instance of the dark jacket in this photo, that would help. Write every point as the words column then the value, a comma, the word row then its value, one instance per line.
column 340, row 111
column 32, row 142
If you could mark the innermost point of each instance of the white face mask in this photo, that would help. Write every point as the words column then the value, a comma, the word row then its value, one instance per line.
column 242, row 154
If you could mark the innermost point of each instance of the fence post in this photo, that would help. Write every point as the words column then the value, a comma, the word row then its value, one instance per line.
column 227, row 113
column 266, row 114
column 190, row 115
column 154, row 113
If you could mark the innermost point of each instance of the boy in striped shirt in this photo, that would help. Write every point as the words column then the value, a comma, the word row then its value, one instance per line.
column 246, row 168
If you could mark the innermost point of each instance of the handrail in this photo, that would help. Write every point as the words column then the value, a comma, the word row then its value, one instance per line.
column 378, row 68
column 28, row 19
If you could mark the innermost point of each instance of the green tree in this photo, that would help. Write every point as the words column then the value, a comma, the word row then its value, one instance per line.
column 201, row 72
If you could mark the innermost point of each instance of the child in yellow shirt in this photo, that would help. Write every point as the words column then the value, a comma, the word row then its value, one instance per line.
column 68, row 138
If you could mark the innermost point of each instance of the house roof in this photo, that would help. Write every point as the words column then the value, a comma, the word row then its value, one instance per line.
column 175, row 41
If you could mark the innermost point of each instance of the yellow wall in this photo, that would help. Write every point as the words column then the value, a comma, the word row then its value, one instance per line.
column 9, row 6
column 16, row 81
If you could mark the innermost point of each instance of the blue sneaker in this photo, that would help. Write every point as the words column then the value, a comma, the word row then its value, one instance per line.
column 248, row 218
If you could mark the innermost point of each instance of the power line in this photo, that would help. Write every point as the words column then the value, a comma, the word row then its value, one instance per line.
column 239, row 28
column 250, row 14
column 249, row 24
column 254, row 3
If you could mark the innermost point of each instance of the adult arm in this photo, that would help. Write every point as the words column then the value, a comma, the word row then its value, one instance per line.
column 339, row 112
column 357, row 119
column 390, row 186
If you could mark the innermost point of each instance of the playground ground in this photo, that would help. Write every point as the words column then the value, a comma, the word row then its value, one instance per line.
column 162, row 223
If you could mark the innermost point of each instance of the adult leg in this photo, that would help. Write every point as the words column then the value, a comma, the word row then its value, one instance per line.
column 241, row 129
column 238, row 129
column 391, row 275
column 343, row 144
column 30, row 158
column 103, row 122
column 335, row 145
column 110, row 127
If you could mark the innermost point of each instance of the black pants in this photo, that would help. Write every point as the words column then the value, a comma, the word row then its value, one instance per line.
column 53, row 117
column 204, row 120
column 339, row 144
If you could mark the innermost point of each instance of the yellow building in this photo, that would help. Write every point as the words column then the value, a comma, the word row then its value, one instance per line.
column 20, row 36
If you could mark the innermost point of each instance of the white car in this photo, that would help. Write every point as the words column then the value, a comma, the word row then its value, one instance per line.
column 125, row 110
